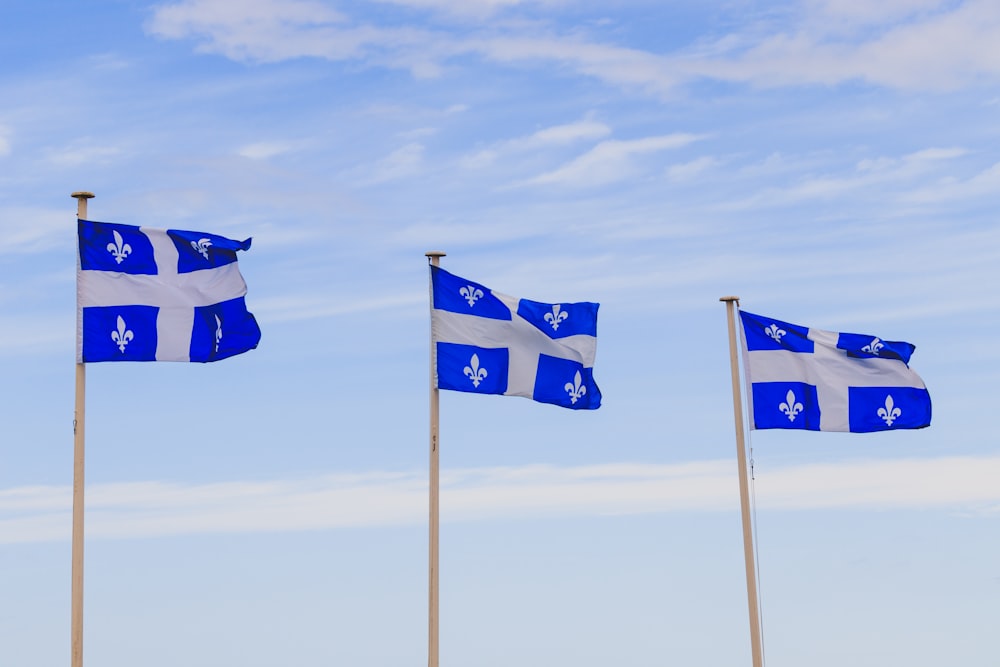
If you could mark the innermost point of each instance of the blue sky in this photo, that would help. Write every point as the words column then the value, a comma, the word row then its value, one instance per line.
column 834, row 164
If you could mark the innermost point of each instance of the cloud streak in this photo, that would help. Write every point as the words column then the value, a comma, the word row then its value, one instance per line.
column 135, row 510
column 921, row 45
column 557, row 135
column 610, row 161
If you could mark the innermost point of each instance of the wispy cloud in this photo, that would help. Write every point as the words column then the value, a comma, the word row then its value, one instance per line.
column 921, row 45
column 83, row 152
column 47, row 229
column 557, row 135
column 149, row 509
column 4, row 141
column 610, row 161
column 470, row 9
column 277, row 30
column 264, row 150
column 250, row 30
column 922, row 175
column 402, row 162
column 690, row 170
column 918, row 45
column 984, row 183
column 615, row 65
column 861, row 14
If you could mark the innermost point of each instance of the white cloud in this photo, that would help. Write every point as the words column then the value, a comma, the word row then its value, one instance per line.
column 277, row 30
column 850, row 13
column 905, row 179
column 108, row 61
column 419, row 133
column 404, row 161
column 464, row 8
column 265, row 149
column 557, row 135
column 83, row 152
column 918, row 159
column 692, row 169
column 615, row 65
column 260, row 30
column 30, row 230
column 146, row 509
column 918, row 45
column 569, row 133
column 983, row 184
column 263, row 19
column 907, row 47
column 610, row 161
column 272, row 31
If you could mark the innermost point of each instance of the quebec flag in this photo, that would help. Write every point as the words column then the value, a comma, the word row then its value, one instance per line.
column 159, row 295
column 490, row 343
column 801, row 378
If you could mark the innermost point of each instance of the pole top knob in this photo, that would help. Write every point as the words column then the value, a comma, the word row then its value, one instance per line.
column 729, row 298
column 435, row 253
column 83, row 194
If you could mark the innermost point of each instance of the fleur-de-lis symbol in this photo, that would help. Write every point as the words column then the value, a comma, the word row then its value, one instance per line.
column 575, row 389
column 122, row 336
column 119, row 249
column 790, row 407
column 775, row 332
column 218, row 332
column 889, row 413
column 474, row 372
column 556, row 316
column 202, row 246
column 471, row 294
column 873, row 348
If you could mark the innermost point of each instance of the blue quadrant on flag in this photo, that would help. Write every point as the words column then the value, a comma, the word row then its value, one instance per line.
column 490, row 343
column 160, row 295
column 815, row 380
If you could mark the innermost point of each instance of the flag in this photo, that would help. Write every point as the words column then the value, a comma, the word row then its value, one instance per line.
column 490, row 343
column 802, row 378
column 159, row 295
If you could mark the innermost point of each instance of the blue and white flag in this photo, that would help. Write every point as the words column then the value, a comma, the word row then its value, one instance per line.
column 816, row 380
column 490, row 343
column 159, row 295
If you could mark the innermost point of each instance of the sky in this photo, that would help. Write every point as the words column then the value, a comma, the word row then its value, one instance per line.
column 835, row 164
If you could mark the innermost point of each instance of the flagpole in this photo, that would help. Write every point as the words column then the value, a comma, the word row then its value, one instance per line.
column 76, row 629
column 741, row 458
column 434, row 257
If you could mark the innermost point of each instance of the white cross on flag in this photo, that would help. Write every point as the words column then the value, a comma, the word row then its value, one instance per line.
column 490, row 343
column 801, row 378
column 159, row 295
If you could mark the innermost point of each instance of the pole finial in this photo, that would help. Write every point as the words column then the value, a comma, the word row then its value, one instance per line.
column 729, row 298
column 436, row 253
column 82, row 194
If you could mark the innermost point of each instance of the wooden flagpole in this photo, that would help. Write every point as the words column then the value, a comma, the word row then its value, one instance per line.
column 434, row 258
column 76, row 629
column 741, row 458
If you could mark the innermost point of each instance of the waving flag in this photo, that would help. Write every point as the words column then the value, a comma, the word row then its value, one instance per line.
column 160, row 295
column 489, row 343
column 802, row 378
